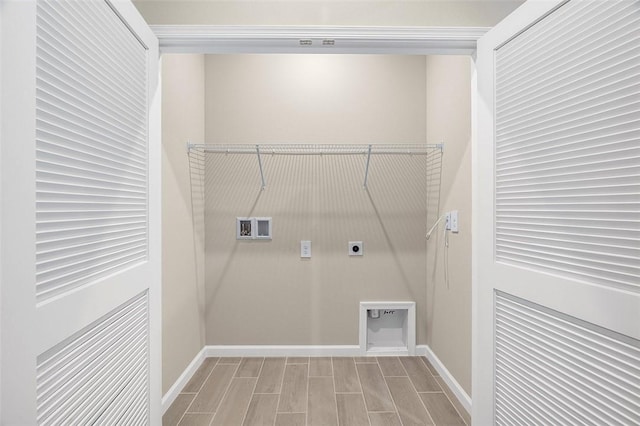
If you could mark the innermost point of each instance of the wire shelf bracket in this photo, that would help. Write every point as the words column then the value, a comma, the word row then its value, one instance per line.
column 366, row 170
column 260, row 165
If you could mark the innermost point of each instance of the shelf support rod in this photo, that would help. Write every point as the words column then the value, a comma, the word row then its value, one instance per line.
column 366, row 170
column 260, row 164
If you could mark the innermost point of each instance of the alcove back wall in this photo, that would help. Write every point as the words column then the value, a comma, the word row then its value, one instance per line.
column 262, row 292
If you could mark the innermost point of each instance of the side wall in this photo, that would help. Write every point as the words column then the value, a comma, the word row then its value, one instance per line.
column 182, row 250
column 262, row 292
column 449, row 270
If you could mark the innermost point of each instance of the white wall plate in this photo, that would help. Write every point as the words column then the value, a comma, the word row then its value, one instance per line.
column 356, row 248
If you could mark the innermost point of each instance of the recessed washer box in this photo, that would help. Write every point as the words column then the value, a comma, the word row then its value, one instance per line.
column 253, row 228
column 387, row 328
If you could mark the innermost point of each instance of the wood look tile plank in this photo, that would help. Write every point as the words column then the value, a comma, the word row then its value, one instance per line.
column 409, row 404
column 173, row 415
column 293, row 395
column 321, row 409
column 345, row 376
column 249, row 367
column 365, row 359
column 374, row 388
column 430, row 367
column 441, row 410
column 230, row 360
column 196, row 419
column 270, row 378
column 391, row 366
column 209, row 397
column 291, row 419
column 351, row 410
column 262, row 410
column 234, row 405
column 298, row 360
column 461, row 410
column 384, row 419
column 320, row 367
column 201, row 374
column 419, row 374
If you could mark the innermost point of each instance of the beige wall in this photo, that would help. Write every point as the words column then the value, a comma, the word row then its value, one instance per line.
column 262, row 292
column 330, row 12
column 182, row 252
column 315, row 99
column 449, row 305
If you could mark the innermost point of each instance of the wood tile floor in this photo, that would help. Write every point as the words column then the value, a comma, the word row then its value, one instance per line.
column 316, row 391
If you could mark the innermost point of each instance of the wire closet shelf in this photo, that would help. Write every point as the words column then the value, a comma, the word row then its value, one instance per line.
column 317, row 149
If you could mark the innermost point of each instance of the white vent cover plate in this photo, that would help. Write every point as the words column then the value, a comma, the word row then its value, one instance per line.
column 91, row 146
column 568, row 145
column 100, row 375
column 554, row 369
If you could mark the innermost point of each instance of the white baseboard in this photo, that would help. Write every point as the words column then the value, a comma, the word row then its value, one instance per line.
column 298, row 350
column 301, row 350
column 182, row 381
column 453, row 384
column 282, row 350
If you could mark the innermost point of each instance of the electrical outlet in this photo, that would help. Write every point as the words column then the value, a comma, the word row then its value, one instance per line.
column 454, row 221
column 356, row 248
column 305, row 249
column 447, row 221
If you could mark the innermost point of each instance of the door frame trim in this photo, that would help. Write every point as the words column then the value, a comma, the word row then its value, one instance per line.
column 216, row 39
column 220, row 39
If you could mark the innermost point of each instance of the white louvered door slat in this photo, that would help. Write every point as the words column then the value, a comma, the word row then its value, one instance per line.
column 557, row 209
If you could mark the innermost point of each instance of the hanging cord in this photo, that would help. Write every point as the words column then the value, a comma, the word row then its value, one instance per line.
column 446, row 257
column 434, row 226
column 445, row 237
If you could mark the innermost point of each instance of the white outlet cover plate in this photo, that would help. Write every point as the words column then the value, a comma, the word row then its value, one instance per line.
column 454, row 221
column 305, row 249
column 356, row 248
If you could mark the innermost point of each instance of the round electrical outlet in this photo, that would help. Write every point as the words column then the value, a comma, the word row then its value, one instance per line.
column 355, row 248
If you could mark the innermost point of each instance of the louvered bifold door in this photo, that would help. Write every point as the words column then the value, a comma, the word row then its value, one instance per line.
column 557, row 241
column 567, row 203
column 96, row 278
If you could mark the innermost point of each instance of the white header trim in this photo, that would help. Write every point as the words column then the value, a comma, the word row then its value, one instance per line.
column 315, row 39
